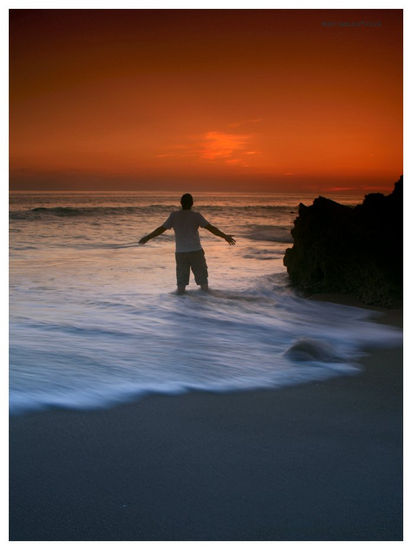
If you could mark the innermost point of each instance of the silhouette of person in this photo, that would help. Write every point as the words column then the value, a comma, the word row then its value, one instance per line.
column 189, row 252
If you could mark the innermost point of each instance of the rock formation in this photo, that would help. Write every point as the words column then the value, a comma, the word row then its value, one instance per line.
column 350, row 250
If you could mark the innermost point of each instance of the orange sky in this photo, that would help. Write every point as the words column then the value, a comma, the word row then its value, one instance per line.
column 274, row 100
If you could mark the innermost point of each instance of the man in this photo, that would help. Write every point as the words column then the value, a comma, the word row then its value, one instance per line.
column 189, row 252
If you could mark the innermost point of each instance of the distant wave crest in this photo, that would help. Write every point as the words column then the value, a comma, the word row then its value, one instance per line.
column 274, row 233
column 96, row 211
column 99, row 211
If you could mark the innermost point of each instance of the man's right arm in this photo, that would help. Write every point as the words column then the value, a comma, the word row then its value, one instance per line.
column 228, row 238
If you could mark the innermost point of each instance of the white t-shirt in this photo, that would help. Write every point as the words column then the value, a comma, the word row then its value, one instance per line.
column 185, row 224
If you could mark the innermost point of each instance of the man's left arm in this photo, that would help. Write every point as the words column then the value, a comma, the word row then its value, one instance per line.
column 161, row 229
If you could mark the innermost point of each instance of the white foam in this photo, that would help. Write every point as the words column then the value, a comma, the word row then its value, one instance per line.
column 94, row 320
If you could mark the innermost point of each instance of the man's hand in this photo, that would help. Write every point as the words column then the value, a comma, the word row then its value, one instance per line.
column 230, row 240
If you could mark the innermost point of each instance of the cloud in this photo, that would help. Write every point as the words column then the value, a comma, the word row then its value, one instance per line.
column 215, row 146
column 222, row 145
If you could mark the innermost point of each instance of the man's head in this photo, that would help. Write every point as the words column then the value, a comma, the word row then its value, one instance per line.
column 186, row 201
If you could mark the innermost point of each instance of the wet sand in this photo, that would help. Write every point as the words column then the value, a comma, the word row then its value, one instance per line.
column 319, row 461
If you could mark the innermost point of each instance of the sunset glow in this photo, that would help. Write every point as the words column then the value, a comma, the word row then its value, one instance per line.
column 272, row 100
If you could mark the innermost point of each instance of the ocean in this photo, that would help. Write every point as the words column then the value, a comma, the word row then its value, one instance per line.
column 95, row 320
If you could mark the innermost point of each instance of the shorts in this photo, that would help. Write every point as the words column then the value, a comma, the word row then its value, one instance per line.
column 191, row 260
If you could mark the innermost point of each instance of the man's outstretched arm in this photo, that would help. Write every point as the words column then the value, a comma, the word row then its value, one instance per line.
column 228, row 238
column 152, row 235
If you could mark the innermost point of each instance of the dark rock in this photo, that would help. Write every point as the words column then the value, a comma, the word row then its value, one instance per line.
column 307, row 349
column 350, row 250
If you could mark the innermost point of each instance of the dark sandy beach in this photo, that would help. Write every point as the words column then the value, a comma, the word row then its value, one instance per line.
column 320, row 461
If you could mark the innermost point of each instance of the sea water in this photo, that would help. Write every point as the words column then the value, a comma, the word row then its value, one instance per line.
column 95, row 320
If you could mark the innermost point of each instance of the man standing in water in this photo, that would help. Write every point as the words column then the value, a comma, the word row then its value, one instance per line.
column 189, row 252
